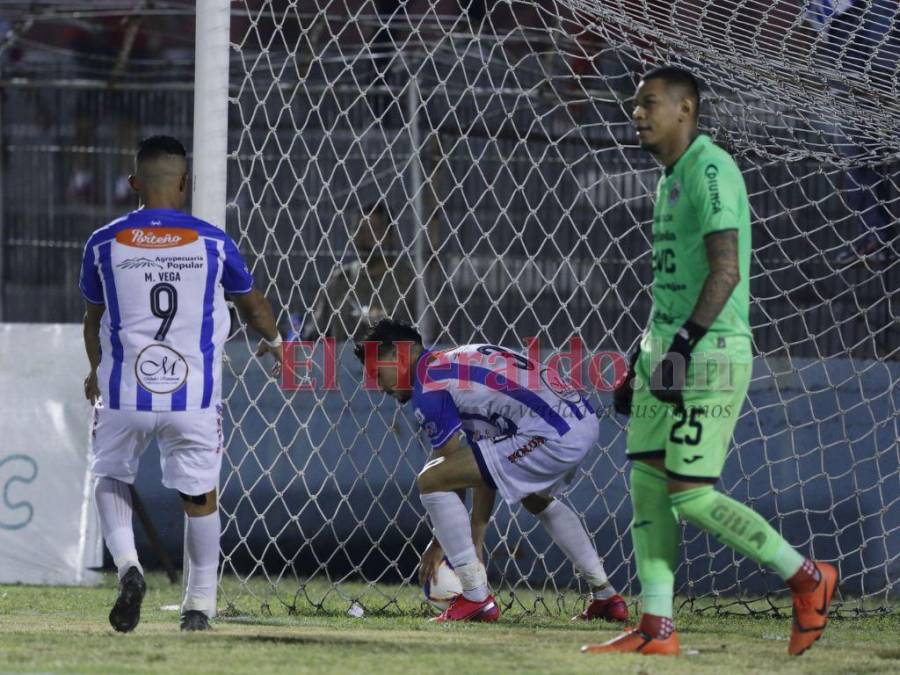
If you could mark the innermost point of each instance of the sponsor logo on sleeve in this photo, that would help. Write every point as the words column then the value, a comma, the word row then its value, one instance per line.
column 712, row 183
column 156, row 237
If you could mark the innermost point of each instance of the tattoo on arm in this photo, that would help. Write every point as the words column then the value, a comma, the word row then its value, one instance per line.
column 724, row 275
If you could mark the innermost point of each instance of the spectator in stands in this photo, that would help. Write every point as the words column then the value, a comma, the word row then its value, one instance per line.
column 359, row 293
column 861, row 39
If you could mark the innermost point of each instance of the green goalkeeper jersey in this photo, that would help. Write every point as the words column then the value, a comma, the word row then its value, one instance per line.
column 703, row 192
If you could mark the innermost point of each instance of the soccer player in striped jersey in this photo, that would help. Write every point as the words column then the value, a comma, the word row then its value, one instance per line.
column 497, row 422
column 154, row 283
column 697, row 359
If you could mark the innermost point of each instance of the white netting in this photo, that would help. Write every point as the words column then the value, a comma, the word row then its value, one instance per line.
column 496, row 134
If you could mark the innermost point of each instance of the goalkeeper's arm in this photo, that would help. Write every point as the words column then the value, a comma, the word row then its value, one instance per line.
column 724, row 275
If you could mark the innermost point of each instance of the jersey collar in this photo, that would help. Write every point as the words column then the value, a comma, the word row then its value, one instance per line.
column 146, row 212
column 700, row 141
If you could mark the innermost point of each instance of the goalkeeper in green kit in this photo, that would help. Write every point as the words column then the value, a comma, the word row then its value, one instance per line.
column 689, row 378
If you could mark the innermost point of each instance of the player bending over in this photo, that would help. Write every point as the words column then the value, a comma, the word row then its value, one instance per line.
column 496, row 421
column 682, row 425
column 154, row 282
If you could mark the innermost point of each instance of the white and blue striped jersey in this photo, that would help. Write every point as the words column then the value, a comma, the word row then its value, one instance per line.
column 162, row 275
column 489, row 392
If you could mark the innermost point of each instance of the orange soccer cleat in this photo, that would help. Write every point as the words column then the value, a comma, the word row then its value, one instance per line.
column 637, row 642
column 462, row 609
column 610, row 609
column 810, row 615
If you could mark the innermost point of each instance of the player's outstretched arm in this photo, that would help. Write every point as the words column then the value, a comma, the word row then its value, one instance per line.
column 257, row 313
column 92, row 315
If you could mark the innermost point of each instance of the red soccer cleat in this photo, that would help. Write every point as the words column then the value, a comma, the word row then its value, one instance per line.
column 811, row 611
column 462, row 609
column 637, row 642
column 611, row 609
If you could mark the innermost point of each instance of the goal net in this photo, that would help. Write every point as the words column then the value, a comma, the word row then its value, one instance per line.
column 492, row 143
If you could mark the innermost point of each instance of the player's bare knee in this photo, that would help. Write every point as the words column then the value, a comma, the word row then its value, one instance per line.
column 196, row 506
column 430, row 478
column 535, row 504
column 658, row 463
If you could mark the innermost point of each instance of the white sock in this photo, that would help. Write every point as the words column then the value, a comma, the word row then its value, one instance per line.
column 569, row 534
column 203, row 557
column 114, row 506
column 453, row 531
column 603, row 592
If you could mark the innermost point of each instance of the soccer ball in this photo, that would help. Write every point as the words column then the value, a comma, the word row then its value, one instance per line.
column 445, row 588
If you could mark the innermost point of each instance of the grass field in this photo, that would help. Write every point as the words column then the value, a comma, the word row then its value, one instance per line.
column 65, row 630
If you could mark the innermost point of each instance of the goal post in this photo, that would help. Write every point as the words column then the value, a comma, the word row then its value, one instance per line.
column 210, row 138
column 211, row 75
column 519, row 204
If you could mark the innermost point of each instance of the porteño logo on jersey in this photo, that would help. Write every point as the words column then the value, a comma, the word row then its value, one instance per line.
column 160, row 369
column 156, row 237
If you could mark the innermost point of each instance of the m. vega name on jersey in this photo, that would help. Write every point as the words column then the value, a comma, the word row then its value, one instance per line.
column 162, row 276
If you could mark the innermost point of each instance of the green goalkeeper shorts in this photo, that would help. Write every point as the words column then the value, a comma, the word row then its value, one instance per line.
column 694, row 442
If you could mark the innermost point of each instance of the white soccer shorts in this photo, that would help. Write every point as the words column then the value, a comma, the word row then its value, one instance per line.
column 521, row 465
column 190, row 446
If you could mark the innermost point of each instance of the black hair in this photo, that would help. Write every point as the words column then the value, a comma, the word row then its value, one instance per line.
column 386, row 333
column 154, row 147
column 679, row 77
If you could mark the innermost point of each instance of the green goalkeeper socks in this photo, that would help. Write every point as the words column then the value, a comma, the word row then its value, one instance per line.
column 739, row 527
column 656, row 535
